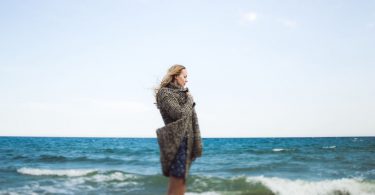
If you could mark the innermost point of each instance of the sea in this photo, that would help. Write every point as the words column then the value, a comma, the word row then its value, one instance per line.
column 283, row 166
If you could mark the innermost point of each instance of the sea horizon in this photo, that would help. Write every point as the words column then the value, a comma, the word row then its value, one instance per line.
column 140, row 137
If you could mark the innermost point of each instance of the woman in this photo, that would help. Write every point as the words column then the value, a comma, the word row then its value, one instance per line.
column 179, row 140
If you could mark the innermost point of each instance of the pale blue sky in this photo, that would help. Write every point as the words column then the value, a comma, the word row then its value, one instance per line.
column 255, row 68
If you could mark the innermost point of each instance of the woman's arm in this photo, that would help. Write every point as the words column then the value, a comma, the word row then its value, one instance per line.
column 197, row 136
column 170, row 104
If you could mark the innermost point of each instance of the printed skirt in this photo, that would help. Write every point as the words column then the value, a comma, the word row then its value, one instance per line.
column 178, row 165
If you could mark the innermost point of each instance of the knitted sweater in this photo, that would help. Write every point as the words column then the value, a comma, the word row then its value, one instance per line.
column 177, row 110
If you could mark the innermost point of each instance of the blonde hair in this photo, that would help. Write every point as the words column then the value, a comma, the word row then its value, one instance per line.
column 173, row 71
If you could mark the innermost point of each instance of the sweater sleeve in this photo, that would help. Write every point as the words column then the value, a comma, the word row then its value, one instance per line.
column 170, row 104
column 197, row 136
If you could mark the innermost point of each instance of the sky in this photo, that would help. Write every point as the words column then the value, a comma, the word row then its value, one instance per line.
column 255, row 68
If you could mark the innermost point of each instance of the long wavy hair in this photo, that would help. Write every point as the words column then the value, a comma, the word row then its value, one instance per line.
column 173, row 71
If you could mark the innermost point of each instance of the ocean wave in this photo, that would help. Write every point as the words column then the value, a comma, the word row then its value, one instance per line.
column 52, row 158
column 268, row 151
column 280, row 149
column 59, row 159
column 329, row 147
column 55, row 172
column 19, row 157
column 284, row 186
column 36, row 188
column 265, row 167
column 117, row 181
column 284, row 149
column 92, row 174
column 203, row 193
column 114, row 176
column 77, row 181
column 220, row 185
column 281, row 186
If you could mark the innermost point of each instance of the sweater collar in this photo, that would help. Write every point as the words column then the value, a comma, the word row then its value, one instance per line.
column 177, row 87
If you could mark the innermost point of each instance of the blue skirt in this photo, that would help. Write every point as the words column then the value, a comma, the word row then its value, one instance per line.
column 178, row 165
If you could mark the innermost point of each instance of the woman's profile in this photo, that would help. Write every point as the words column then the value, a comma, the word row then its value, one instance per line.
column 179, row 140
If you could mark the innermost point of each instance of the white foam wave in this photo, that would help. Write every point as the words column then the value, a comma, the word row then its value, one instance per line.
column 35, row 189
column 329, row 147
column 116, row 179
column 116, row 176
column 282, row 149
column 278, row 149
column 56, row 172
column 283, row 186
column 203, row 193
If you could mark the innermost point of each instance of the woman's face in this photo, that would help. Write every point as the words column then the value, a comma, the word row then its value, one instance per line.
column 182, row 78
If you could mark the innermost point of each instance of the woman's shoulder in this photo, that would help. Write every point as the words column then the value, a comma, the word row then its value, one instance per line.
column 164, row 95
column 164, row 92
column 170, row 90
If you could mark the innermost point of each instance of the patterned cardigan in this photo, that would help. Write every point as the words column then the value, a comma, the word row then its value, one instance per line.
column 176, row 107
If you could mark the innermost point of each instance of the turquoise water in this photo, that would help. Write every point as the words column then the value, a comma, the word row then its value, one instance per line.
column 336, row 165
